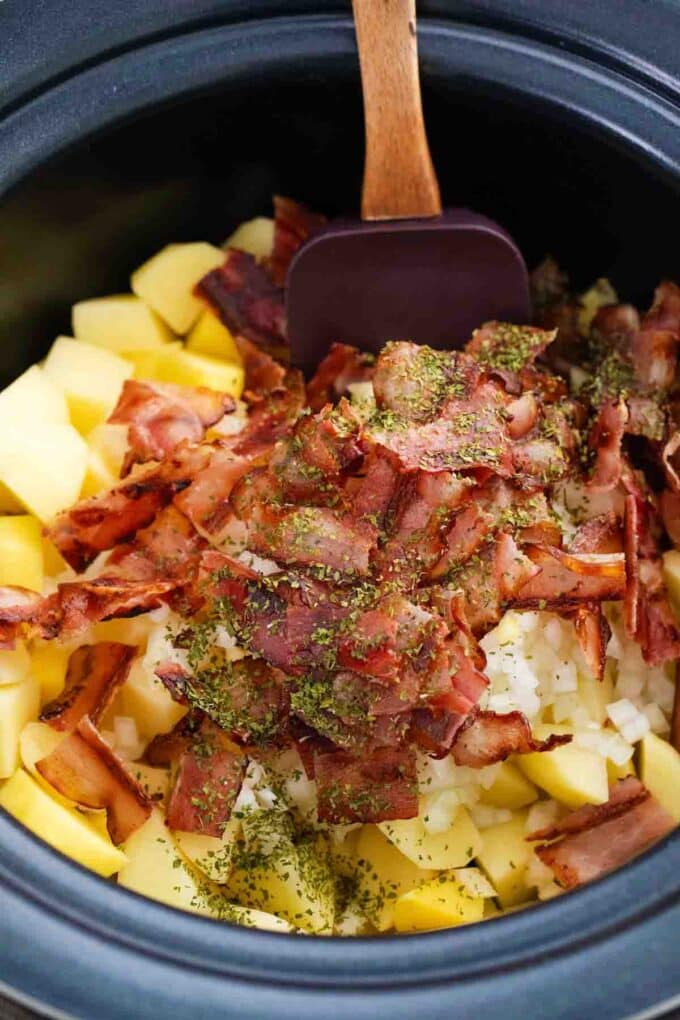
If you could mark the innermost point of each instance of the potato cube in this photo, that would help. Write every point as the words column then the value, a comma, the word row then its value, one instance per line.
column 166, row 282
column 671, row 574
column 49, row 662
column 504, row 857
column 510, row 789
column 15, row 664
column 63, row 828
column 660, row 772
column 176, row 364
column 33, row 398
column 36, row 741
column 212, row 855
column 43, row 466
column 155, row 781
column 110, row 443
column 150, row 704
column 121, row 322
column 21, row 552
column 383, row 874
column 615, row 772
column 97, row 478
column 254, row 236
column 19, row 704
column 210, row 336
column 91, row 378
column 572, row 775
column 595, row 695
column 452, row 848
column 443, row 902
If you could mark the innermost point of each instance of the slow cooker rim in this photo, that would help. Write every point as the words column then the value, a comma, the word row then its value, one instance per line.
column 337, row 41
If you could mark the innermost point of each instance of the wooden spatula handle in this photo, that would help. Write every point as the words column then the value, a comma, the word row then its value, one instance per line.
column 399, row 179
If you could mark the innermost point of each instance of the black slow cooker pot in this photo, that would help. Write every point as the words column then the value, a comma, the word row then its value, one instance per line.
column 128, row 125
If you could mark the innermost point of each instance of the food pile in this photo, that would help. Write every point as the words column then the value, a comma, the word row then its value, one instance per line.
column 390, row 649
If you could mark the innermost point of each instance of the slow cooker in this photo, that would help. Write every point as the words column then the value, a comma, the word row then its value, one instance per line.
column 125, row 126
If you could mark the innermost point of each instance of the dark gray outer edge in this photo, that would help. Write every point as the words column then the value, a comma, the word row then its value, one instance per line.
column 89, row 949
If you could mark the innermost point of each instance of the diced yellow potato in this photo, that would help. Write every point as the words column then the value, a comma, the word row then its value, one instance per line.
column 97, row 478
column 21, row 553
column 442, row 851
column 383, row 874
column 36, row 741
column 596, row 695
column 43, row 466
column 344, row 854
column 14, row 664
column 33, row 398
column 19, row 704
column 443, row 902
column 54, row 562
column 91, row 378
column 293, row 881
column 210, row 336
column 254, row 236
column 110, row 443
column 176, row 364
column 121, row 322
column 572, row 775
column 504, row 858
column 211, row 854
column 131, row 631
column 154, row 781
column 166, row 282
column 510, row 789
column 615, row 772
column 63, row 828
column 49, row 662
column 660, row 772
column 671, row 573
column 149, row 703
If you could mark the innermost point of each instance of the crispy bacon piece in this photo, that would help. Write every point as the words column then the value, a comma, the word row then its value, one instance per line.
column 272, row 416
column 160, row 416
column 94, row 675
column 497, row 574
column 669, row 507
column 565, row 577
column 593, row 633
column 99, row 523
column 85, row 769
column 488, row 737
column 372, row 492
column 596, row 839
column 208, row 779
column 20, row 607
column 293, row 224
column 342, row 366
column 415, row 382
column 372, row 788
column 262, row 373
column 167, row 549
column 205, row 501
column 312, row 536
column 507, row 346
column 670, row 457
column 600, row 534
column 649, row 616
column 82, row 603
column 605, row 439
column 522, row 415
column 247, row 301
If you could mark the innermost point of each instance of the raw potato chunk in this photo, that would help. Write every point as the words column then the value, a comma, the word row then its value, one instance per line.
column 176, row 364
column 149, row 703
column 211, row 855
column 62, row 827
column 660, row 772
column 110, row 443
column 615, row 772
column 21, row 552
column 91, row 378
column 572, row 775
column 450, row 899
column 254, row 236
column 383, row 874
column 19, row 704
column 166, row 282
column 442, row 851
column 504, row 858
column 596, row 695
column 97, row 478
column 671, row 573
column 36, row 741
column 154, row 781
column 121, row 322
column 210, row 336
column 14, row 664
column 43, row 466
column 510, row 789
column 33, row 398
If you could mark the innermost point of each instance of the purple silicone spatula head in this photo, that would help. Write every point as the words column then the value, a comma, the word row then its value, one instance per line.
column 407, row 270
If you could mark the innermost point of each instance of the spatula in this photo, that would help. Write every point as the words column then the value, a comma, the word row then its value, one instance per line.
column 409, row 271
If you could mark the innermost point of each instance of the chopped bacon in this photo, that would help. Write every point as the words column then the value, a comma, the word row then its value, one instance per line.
column 313, row 536
column 20, row 607
column 571, row 577
column 205, row 501
column 592, row 633
column 374, row 490
column 669, row 507
column 670, row 456
column 94, row 675
column 272, row 416
column 160, row 416
column 415, row 382
column 649, row 616
column 208, row 779
column 605, row 439
column 85, row 769
column 167, row 549
column 600, row 534
column 522, row 415
column 83, row 603
column 247, row 301
column 488, row 737
column 507, row 346
column 596, row 839
column 342, row 366
column 371, row 788
column 293, row 224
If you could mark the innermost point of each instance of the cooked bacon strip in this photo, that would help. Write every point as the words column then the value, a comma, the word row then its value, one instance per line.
column 247, row 301
column 272, row 416
column 488, row 737
column 593, row 633
column 85, row 769
column 313, row 536
column 415, row 382
column 371, row 788
column 649, row 616
column 94, row 675
column 99, row 523
column 205, row 501
column 507, row 346
column 670, row 456
column 208, row 779
column 605, row 439
column 596, row 839
column 600, row 534
column 342, row 366
column 167, row 549
column 669, row 507
column 262, row 373
column 293, row 224
column 374, row 489
column 83, row 603
column 19, row 607
column 160, row 416
column 631, row 601
column 522, row 415
column 571, row 577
